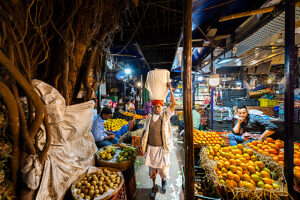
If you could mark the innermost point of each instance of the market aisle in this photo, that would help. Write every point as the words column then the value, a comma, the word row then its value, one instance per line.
column 174, row 190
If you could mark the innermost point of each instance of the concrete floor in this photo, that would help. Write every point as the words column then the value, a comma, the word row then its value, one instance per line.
column 174, row 189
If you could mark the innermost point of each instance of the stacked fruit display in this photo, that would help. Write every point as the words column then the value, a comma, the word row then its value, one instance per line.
column 108, row 153
column 114, row 124
column 137, row 116
column 206, row 138
column 127, row 154
column 96, row 184
column 239, row 167
column 128, row 114
column 274, row 149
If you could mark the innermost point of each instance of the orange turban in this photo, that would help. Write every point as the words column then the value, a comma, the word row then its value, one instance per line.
column 156, row 102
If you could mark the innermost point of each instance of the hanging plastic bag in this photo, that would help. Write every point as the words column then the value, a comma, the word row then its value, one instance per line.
column 156, row 84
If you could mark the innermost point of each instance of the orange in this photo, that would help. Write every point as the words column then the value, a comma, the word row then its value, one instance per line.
column 281, row 157
column 265, row 174
column 246, row 156
column 267, row 180
column 297, row 173
column 219, row 173
column 257, row 168
column 281, row 153
column 255, row 148
column 254, row 142
column 249, row 151
column 210, row 157
column 253, row 158
column 260, row 151
column 273, row 151
column 249, row 186
column 260, row 164
column 229, row 183
column 251, row 169
column 216, row 158
column 297, row 162
column 246, row 177
column 244, row 166
column 259, row 142
column 243, row 160
column 281, row 163
column 238, row 151
column 264, row 147
column 297, row 168
column 237, row 178
column 268, row 187
column 238, row 162
column 252, row 181
column 259, row 145
column 239, row 173
column 240, row 146
column 227, row 164
column 220, row 164
column 265, row 142
column 232, row 162
column 269, row 140
column 242, row 183
column 220, row 177
column 246, row 172
column 233, row 168
column 224, row 170
column 230, row 175
column 239, row 168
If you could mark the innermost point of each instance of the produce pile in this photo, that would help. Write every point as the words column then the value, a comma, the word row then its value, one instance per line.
column 127, row 154
column 207, row 138
column 274, row 149
column 96, row 184
column 128, row 114
column 108, row 153
column 239, row 167
column 137, row 116
column 114, row 124
column 117, row 154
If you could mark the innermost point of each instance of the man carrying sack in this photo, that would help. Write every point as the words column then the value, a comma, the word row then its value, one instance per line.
column 156, row 140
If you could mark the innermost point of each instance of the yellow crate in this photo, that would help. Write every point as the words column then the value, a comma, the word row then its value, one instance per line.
column 267, row 103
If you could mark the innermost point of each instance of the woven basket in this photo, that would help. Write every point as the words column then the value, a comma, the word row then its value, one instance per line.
column 76, row 197
column 122, row 166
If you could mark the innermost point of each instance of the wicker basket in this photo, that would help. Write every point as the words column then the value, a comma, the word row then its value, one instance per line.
column 122, row 166
column 76, row 197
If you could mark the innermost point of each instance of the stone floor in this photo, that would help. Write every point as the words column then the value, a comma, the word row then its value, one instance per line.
column 174, row 190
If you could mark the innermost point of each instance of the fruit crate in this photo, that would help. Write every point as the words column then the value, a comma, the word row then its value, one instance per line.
column 267, row 103
column 200, row 178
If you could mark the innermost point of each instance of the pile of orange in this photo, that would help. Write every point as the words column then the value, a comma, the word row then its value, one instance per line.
column 137, row 116
column 274, row 148
column 128, row 114
column 239, row 167
column 206, row 138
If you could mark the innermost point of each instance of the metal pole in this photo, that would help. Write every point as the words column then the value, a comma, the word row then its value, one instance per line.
column 141, row 93
column 289, row 94
column 212, row 93
column 99, row 95
column 187, row 102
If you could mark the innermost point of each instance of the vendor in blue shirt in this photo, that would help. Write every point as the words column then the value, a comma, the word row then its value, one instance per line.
column 101, row 136
column 250, row 127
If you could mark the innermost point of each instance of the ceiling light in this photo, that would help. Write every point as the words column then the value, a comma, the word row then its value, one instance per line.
column 226, row 60
column 127, row 71
column 214, row 80
column 200, row 78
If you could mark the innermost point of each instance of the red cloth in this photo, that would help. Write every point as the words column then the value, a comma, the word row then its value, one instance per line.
column 156, row 102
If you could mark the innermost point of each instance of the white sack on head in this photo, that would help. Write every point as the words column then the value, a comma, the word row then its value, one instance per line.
column 156, row 84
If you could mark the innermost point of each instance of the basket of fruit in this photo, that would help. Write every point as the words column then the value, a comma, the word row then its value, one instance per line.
column 97, row 183
column 118, row 156
column 239, row 171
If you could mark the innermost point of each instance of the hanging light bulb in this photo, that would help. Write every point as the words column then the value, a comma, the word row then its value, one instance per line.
column 214, row 80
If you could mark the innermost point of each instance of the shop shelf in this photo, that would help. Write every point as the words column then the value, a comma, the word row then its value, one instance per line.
column 267, row 103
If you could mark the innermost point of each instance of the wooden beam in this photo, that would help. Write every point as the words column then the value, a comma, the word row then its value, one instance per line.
column 289, row 68
column 250, row 13
column 189, row 170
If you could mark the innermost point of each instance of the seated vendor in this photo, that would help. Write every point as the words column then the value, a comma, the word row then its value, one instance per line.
column 250, row 127
column 101, row 136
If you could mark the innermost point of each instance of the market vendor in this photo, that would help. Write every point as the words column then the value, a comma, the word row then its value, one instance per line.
column 250, row 127
column 101, row 136
column 196, row 121
column 156, row 141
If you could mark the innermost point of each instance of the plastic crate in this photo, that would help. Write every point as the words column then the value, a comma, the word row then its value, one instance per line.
column 140, row 112
column 136, row 141
column 267, row 103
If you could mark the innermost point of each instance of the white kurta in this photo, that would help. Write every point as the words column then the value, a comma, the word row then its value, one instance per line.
column 156, row 157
